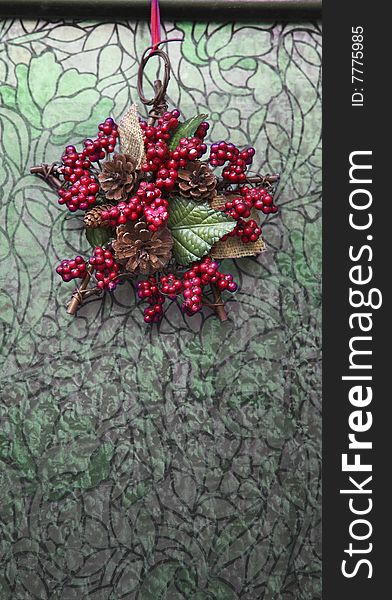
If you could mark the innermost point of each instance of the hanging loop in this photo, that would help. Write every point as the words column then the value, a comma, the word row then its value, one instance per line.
column 158, row 102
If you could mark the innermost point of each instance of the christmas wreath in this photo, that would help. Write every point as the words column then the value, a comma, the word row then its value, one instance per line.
column 156, row 210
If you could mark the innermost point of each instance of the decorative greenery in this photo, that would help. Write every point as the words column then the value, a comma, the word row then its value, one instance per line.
column 162, row 206
column 195, row 228
column 186, row 129
column 99, row 235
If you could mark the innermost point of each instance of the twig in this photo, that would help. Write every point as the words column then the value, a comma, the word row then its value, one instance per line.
column 158, row 108
column 257, row 179
column 48, row 173
column 274, row 178
column 218, row 305
column 79, row 293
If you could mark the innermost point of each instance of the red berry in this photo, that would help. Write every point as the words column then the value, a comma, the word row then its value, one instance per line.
column 106, row 269
column 148, row 290
column 72, row 269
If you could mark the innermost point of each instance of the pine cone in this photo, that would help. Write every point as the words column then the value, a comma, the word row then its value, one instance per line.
column 93, row 217
column 197, row 181
column 118, row 177
column 141, row 250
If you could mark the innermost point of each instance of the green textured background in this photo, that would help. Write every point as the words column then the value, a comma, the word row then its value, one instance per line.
column 173, row 463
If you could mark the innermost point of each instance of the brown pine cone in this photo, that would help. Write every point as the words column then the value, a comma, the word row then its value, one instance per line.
column 93, row 217
column 118, row 177
column 197, row 181
column 141, row 250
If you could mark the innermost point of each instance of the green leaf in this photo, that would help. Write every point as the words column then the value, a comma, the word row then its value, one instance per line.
column 71, row 82
column 84, row 100
column 99, row 467
column 157, row 580
column 195, row 228
column 104, row 106
column 221, row 590
column 25, row 101
column 98, row 236
column 14, row 137
column 186, row 129
column 100, row 199
column 8, row 96
column 44, row 73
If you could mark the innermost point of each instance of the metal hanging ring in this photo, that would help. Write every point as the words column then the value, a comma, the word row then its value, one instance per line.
column 160, row 87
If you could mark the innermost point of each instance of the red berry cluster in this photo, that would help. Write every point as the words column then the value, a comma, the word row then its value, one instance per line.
column 105, row 143
column 236, row 169
column 123, row 212
column 156, row 154
column 75, row 164
column 166, row 178
column 72, row 269
column 202, row 130
column 166, row 164
column 148, row 192
column 201, row 274
column 81, row 194
column 81, row 186
column 157, row 151
column 106, row 269
column 148, row 200
column 191, row 148
column 155, row 207
column 194, row 280
column 222, row 152
column 241, row 206
column 170, row 285
column 248, row 231
column 238, row 208
column 234, row 172
column 149, row 290
column 166, row 123
column 156, row 213
column 259, row 198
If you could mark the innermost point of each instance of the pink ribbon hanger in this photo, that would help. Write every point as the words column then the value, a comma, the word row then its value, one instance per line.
column 155, row 25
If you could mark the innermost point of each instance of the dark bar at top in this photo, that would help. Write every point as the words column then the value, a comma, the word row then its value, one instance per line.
column 221, row 10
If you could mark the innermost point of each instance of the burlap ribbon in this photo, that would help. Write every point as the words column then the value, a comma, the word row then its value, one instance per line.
column 131, row 136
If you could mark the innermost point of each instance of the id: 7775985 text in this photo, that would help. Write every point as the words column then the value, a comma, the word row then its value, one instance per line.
column 357, row 96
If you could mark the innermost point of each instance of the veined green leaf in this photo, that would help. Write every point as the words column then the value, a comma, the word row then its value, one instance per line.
column 195, row 228
column 186, row 129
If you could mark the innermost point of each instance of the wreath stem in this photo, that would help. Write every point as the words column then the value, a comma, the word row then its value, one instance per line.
column 219, row 305
column 77, row 296
column 269, row 180
column 48, row 173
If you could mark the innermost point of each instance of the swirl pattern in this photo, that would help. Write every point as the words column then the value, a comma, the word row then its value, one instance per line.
column 179, row 462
